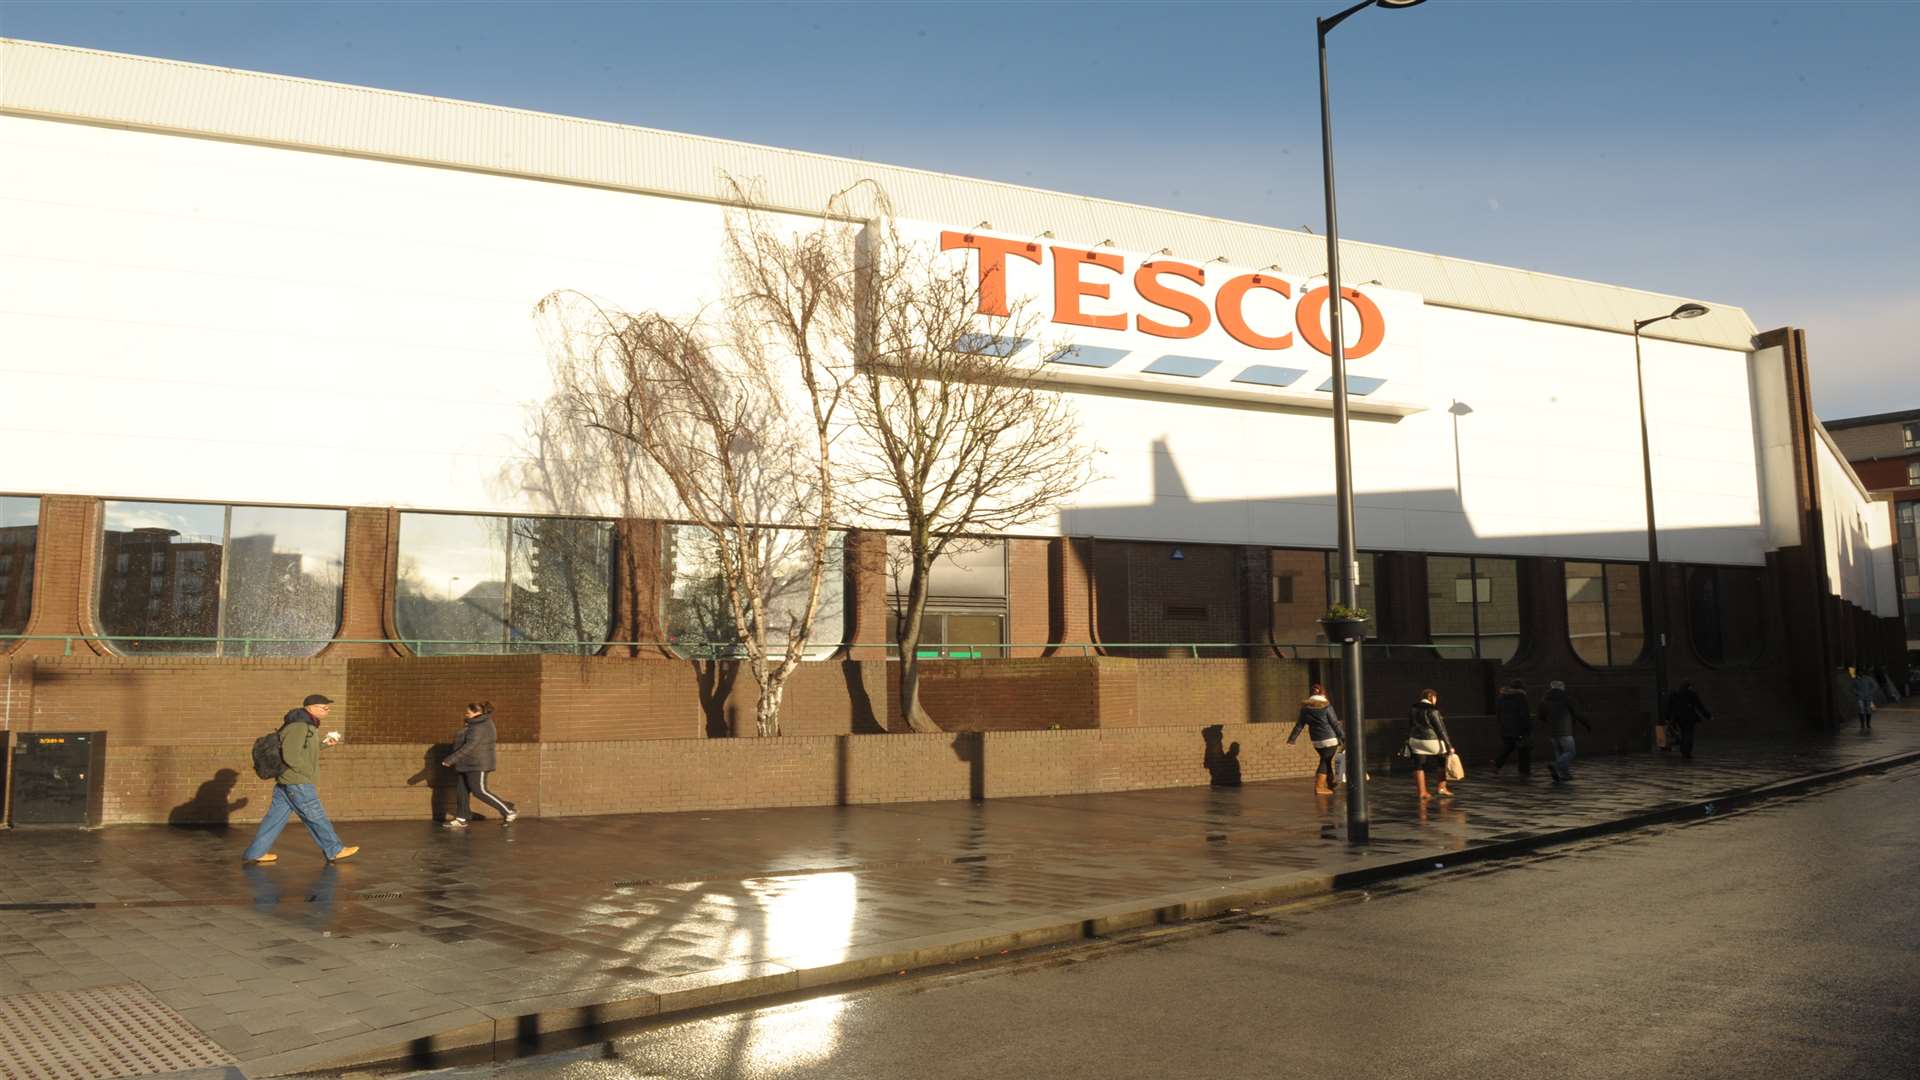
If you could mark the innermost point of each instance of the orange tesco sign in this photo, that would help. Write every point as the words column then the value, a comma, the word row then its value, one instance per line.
column 1173, row 302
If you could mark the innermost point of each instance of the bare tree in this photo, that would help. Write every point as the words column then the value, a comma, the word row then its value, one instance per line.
column 961, row 436
column 733, row 407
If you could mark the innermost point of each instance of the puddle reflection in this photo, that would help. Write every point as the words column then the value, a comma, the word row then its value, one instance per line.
column 805, row 921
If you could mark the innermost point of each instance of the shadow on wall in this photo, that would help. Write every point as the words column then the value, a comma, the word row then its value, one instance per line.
column 715, row 679
column 439, row 780
column 211, row 807
column 1223, row 764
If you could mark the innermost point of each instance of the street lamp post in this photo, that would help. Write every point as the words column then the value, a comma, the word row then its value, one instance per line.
column 1352, row 685
column 1656, row 587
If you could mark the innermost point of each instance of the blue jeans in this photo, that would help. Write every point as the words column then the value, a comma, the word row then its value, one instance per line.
column 1563, row 756
column 290, row 799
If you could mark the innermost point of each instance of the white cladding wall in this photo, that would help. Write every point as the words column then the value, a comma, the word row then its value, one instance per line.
column 1859, row 536
column 193, row 319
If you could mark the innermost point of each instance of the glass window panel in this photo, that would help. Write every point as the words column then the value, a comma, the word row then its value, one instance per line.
column 283, row 579
column 1626, row 614
column 1497, row 586
column 19, row 538
column 968, row 568
column 698, row 616
column 1450, row 592
column 970, row 633
column 452, row 583
column 1587, row 612
column 171, row 588
column 562, row 583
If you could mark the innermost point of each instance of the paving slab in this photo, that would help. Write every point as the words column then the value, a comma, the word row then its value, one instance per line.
column 433, row 940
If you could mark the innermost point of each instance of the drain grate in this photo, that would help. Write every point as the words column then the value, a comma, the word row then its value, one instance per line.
column 108, row 1031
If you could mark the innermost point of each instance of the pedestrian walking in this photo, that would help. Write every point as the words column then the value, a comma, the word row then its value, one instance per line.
column 1428, row 744
column 472, row 759
column 1515, row 713
column 1685, row 711
column 1558, row 713
column 1864, row 692
column 1326, row 734
column 294, row 787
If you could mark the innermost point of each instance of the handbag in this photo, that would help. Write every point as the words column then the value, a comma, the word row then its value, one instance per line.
column 1455, row 770
column 1339, row 766
column 1660, row 737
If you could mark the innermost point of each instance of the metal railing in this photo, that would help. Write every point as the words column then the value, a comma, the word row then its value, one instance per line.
column 732, row 650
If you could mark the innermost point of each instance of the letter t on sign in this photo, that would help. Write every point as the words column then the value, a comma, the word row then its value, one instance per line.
column 993, row 265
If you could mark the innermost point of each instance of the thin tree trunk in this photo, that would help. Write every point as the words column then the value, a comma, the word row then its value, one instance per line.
column 766, row 712
column 910, row 711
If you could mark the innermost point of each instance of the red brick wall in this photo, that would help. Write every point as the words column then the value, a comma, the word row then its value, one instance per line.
column 423, row 699
column 141, row 701
column 1214, row 691
column 199, row 784
column 1005, row 695
column 1029, row 595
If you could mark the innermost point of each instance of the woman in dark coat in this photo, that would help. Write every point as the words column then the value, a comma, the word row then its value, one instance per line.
column 1326, row 734
column 1429, row 744
column 473, row 758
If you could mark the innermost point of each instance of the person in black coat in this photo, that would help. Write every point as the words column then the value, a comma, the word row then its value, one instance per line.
column 1428, row 744
column 472, row 759
column 1685, row 710
column 1515, row 714
column 1326, row 734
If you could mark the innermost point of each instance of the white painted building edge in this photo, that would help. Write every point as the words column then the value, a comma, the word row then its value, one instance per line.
column 245, row 321
column 148, row 93
column 1860, row 563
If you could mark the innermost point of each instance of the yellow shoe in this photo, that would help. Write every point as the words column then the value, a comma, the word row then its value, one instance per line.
column 264, row 859
column 345, row 853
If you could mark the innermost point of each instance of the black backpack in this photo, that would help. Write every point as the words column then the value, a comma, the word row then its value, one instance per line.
column 267, row 762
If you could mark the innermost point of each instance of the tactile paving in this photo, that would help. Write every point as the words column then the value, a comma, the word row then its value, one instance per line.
column 105, row 1032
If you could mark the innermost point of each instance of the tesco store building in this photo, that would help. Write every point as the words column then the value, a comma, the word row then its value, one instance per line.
column 270, row 427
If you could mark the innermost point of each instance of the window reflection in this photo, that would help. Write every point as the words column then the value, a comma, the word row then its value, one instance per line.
column 283, row 577
column 19, row 537
column 1605, row 616
column 1473, row 606
column 966, row 612
column 472, row 584
column 219, row 573
column 699, row 618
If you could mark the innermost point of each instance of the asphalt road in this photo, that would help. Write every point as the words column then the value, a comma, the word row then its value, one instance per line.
column 1778, row 942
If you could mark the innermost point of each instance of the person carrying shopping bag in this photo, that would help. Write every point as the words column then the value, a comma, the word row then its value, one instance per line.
column 472, row 759
column 1429, row 745
column 1326, row 734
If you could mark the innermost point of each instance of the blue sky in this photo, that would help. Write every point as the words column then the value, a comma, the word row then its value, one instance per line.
column 1759, row 154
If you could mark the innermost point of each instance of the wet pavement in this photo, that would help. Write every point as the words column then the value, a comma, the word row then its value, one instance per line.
column 428, row 930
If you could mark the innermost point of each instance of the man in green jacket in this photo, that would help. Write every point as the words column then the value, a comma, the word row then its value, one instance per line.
column 293, row 789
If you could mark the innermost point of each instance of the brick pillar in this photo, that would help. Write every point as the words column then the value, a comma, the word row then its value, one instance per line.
column 365, row 596
column 65, row 569
column 866, row 596
column 1070, row 592
column 638, row 580
column 1029, row 595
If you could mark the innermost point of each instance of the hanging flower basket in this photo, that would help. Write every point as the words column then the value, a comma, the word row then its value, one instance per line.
column 1345, row 624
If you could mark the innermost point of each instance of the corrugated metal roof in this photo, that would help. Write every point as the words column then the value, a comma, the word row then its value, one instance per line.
column 61, row 82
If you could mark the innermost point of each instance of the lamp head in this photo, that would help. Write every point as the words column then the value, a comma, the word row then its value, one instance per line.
column 1688, row 311
column 1401, row 3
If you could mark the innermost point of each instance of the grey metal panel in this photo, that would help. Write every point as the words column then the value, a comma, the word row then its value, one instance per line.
column 65, row 83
